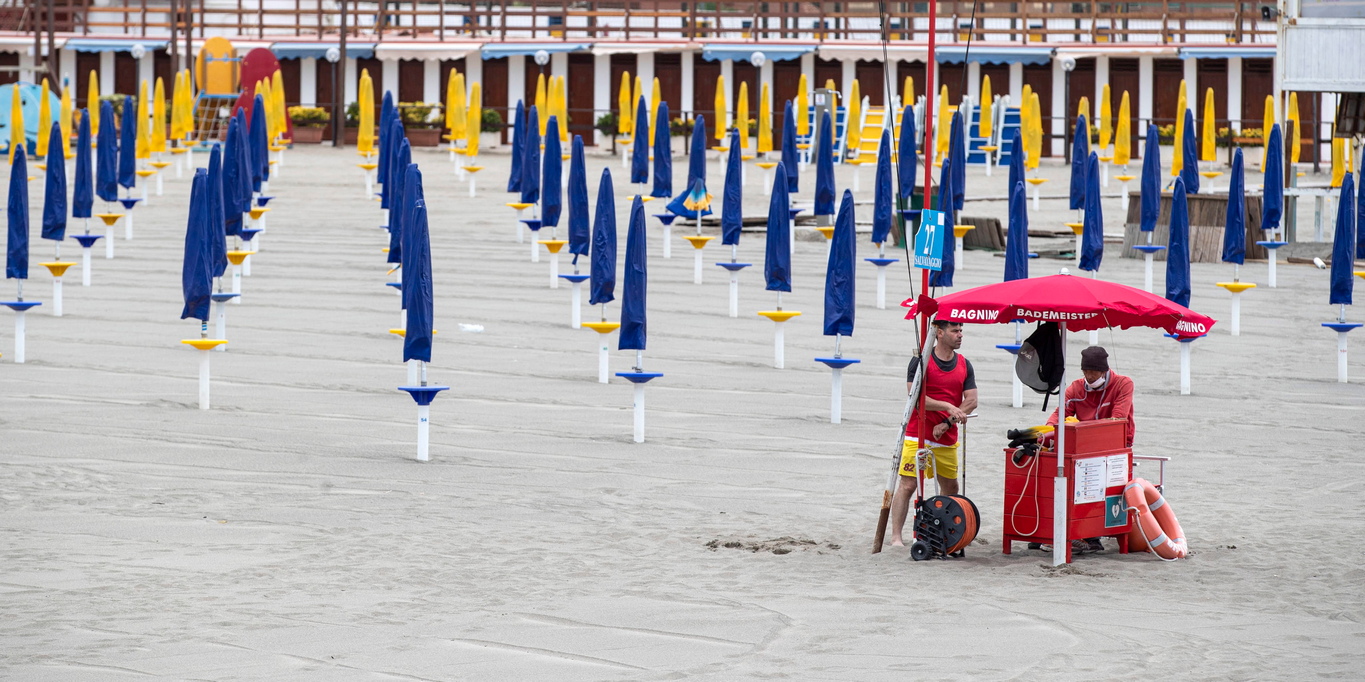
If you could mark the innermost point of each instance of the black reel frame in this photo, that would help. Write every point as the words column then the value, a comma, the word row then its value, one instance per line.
column 935, row 527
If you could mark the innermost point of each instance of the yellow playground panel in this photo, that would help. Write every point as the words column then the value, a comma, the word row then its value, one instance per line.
column 216, row 67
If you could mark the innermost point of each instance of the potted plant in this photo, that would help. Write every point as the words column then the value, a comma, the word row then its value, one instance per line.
column 309, row 123
column 606, row 124
column 490, row 129
column 422, row 122
column 352, row 131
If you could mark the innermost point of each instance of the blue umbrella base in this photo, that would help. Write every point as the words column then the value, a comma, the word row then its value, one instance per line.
column 575, row 278
column 639, row 377
column 666, row 218
column 734, row 267
column 1334, row 326
column 1149, row 249
column 247, row 233
column 1183, row 339
column 87, row 240
column 838, row 363
column 396, row 285
column 262, row 201
column 129, row 203
column 532, row 223
column 20, row 306
column 1013, row 348
column 1271, row 245
column 882, row 262
column 218, row 298
column 423, row 395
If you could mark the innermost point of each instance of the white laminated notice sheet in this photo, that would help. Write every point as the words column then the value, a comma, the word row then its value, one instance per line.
column 1090, row 479
column 1118, row 470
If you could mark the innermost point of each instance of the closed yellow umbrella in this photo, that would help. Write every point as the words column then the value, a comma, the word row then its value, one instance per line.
column 92, row 104
column 941, row 136
column 365, row 136
column 831, row 85
column 1106, row 119
column 64, row 120
column 542, row 99
column 1296, row 143
column 655, row 96
column 1036, row 137
column 1177, row 160
column 635, row 94
column 1338, row 159
column 159, row 117
column 908, row 93
column 855, row 116
column 623, row 119
column 183, row 103
column 16, row 123
column 1083, row 109
column 721, row 108
column 765, row 122
column 984, row 126
column 44, row 121
column 1208, row 150
column 281, row 112
column 563, row 110
column 450, row 103
column 143, row 149
column 802, row 111
column 1267, row 122
column 742, row 115
column 1123, row 134
column 474, row 120
column 459, row 107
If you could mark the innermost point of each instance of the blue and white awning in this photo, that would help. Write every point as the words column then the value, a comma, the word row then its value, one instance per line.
column 1227, row 52
column 319, row 50
column 88, row 45
column 743, row 53
column 994, row 55
column 499, row 50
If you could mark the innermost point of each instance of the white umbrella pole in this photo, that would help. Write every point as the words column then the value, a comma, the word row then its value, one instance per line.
column 1104, row 173
column 1018, row 385
column 734, row 293
column 1341, row 357
column 668, row 241
column 1060, row 541
column 779, row 344
column 158, row 184
column 128, row 226
column 423, row 420
column 1124, row 197
column 1236, row 314
column 471, row 185
column 639, row 400
column 1036, row 193
column 881, row 287
column 603, row 354
column 237, row 284
column 56, row 296
column 108, row 242
column 696, row 255
column 1184, row 368
column 19, row 328
column 85, row 266
column 204, row 379
column 857, row 186
column 836, row 396
column 554, row 270
column 576, row 314
column 221, row 309
column 1271, row 276
column 1147, row 275
column 369, row 185
column 412, row 373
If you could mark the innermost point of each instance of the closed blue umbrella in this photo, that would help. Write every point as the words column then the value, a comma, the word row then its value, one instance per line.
column 1235, row 227
column 417, row 285
column 1149, row 191
column 777, row 250
column 840, row 289
column 663, row 155
column 604, row 243
column 106, row 156
column 196, row 281
column 394, row 135
column 906, row 162
column 944, row 277
column 882, row 200
column 1189, row 169
column 552, row 176
column 83, row 189
column 231, row 179
column 696, row 172
column 957, row 148
column 260, row 145
column 245, row 186
column 732, row 203
column 1178, row 249
column 530, row 159
column 54, row 189
column 387, row 113
column 217, row 235
column 580, row 235
column 16, row 214
column 824, row 168
column 518, row 148
column 127, row 146
column 1080, row 152
column 639, row 154
column 633, row 326
column 1016, row 241
column 1092, row 227
column 398, row 210
column 1360, row 216
column 1272, row 192
column 789, row 151
column 1343, row 244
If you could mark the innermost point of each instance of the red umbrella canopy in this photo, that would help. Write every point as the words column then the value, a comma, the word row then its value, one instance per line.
column 1082, row 303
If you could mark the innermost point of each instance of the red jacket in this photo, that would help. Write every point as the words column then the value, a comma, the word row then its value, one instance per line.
column 1113, row 400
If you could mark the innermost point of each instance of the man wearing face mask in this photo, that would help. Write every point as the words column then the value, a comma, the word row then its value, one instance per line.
column 1100, row 394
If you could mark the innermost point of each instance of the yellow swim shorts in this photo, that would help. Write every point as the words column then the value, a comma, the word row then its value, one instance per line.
column 943, row 463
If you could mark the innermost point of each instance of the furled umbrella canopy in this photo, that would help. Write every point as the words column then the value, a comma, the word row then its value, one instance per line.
column 106, row 156
column 54, row 190
column 1189, row 171
column 639, row 154
column 1016, row 241
column 393, row 135
column 883, row 199
column 1080, row 153
column 530, row 159
column 603, row 284
column 840, row 283
column 1178, row 250
column 580, row 234
column 417, row 284
column 1149, row 190
column 217, row 234
column 732, row 201
column 518, row 148
column 824, row 167
column 906, row 163
column 260, row 145
column 789, row 150
column 387, row 112
column 1092, row 227
column 777, row 250
column 196, row 280
column 127, row 145
column 663, row 155
column 16, row 214
column 398, row 211
column 552, row 176
column 1123, row 134
column 1235, row 226
column 958, row 153
column 1344, row 244
column 944, row 277
column 634, row 330
column 1272, row 191
column 696, row 174
column 83, row 189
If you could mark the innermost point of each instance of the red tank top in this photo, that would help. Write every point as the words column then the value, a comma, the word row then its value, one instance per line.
column 945, row 386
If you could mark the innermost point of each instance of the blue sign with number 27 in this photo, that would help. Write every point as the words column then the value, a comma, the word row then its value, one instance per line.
column 929, row 241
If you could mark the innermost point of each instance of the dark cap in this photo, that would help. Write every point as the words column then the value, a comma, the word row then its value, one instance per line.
column 1095, row 358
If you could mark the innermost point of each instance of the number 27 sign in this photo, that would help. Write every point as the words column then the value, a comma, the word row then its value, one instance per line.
column 929, row 241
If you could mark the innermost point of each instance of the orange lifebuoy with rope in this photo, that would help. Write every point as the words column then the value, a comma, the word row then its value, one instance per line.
column 1156, row 528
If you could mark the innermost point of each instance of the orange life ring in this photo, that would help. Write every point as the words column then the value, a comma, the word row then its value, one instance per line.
column 1156, row 528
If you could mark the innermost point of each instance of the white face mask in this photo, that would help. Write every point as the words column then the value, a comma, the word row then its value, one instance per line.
column 1098, row 383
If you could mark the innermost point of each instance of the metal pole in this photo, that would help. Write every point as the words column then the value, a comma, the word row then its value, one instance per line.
column 174, row 14
column 338, row 89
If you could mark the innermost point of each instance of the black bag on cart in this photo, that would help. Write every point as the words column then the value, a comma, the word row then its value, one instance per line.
column 1040, row 362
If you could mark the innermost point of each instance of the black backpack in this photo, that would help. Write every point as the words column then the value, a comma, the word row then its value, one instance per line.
column 1040, row 362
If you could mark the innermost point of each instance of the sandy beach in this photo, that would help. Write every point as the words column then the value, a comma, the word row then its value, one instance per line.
column 289, row 534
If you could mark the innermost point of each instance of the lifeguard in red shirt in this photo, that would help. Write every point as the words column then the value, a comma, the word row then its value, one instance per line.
column 1100, row 394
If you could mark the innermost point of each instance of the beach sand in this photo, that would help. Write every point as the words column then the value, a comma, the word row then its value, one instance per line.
column 288, row 533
